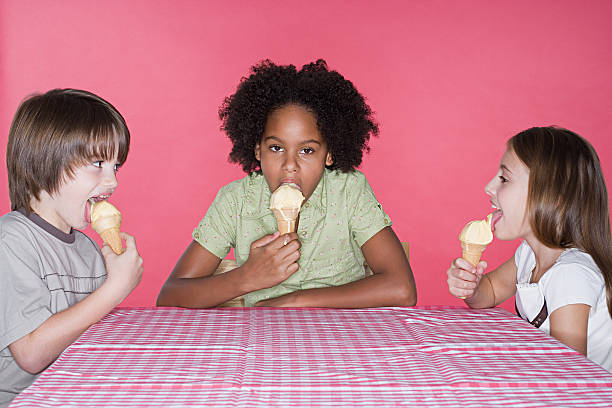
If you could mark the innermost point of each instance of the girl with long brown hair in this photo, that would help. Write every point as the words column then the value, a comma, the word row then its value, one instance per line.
column 549, row 191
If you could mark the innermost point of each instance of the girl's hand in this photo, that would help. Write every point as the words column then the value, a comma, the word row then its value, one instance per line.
column 463, row 277
column 124, row 271
column 273, row 258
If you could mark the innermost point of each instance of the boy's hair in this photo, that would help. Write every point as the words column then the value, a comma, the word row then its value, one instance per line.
column 52, row 134
column 567, row 201
column 343, row 117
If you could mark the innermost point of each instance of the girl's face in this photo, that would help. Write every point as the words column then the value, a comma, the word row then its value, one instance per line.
column 508, row 191
column 292, row 149
column 69, row 207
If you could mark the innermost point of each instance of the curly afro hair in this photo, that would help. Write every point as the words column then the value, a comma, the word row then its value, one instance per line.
column 343, row 117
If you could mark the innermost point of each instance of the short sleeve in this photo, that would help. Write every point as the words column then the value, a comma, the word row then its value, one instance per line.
column 217, row 230
column 366, row 215
column 569, row 284
column 24, row 297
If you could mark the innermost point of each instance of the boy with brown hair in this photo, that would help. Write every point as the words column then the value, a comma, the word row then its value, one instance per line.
column 64, row 149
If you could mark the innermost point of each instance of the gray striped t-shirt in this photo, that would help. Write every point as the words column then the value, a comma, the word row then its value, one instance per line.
column 42, row 271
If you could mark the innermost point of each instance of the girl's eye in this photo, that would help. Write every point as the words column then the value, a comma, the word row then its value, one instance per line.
column 503, row 179
column 308, row 150
column 276, row 148
column 117, row 167
column 98, row 163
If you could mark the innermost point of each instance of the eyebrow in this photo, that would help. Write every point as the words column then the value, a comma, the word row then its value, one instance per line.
column 504, row 167
column 302, row 142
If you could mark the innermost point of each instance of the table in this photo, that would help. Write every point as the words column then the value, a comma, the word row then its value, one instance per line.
column 249, row 357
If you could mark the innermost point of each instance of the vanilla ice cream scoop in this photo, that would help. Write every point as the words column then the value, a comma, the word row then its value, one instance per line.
column 106, row 221
column 285, row 203
column 475, row 237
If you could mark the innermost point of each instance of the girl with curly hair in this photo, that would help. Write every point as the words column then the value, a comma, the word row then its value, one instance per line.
column 310, row 128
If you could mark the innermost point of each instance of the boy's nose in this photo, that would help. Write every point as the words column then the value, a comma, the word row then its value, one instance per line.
column 110, row 180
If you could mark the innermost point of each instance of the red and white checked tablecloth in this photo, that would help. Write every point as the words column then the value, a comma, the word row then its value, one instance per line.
column 252, row 357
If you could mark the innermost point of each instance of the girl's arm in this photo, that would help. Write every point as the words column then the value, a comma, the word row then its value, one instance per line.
column 392, row 283
column 36, row 350
column 481, row 290
column 192, row 283
column 569, row 325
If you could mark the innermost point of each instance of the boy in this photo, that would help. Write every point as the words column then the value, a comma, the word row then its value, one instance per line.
column 64, row 148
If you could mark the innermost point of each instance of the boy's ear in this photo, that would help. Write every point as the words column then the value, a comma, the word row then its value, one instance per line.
column 328, row 160
column 258, row 152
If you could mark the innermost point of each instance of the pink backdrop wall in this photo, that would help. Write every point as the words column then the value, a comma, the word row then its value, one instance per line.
column 450, row 82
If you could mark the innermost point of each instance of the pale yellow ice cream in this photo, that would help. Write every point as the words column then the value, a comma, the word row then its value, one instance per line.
column 106, row 221
column 286, row 202
column 477, row 232
column 475, row 237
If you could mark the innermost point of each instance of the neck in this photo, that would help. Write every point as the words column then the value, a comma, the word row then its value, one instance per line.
column 545, row 257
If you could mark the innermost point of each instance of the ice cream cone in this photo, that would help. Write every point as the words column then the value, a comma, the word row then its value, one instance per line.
column 113, row 239
column 106, row 221
column 286, row 219
column 472, row 252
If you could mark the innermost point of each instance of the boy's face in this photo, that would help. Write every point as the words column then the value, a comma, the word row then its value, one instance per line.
column 292, row 150
column 69, row 206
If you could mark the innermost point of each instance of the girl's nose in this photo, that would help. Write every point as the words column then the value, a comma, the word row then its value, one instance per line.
column 490, row 187
column 290, row 163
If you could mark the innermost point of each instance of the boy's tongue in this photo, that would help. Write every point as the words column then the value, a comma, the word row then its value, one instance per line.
column 88, row 211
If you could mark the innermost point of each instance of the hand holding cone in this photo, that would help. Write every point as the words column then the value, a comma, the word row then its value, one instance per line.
column 285, row 203
column 106, row 221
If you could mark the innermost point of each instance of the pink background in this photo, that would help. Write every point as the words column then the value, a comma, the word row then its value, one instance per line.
column 450, row 82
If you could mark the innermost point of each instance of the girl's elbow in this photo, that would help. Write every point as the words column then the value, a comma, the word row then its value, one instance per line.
column 30, row 363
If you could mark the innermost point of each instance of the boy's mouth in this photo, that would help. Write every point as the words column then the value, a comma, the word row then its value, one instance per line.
column 90, row 201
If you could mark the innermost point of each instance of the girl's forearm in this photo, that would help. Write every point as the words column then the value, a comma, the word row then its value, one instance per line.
column 372, row 291
column 484, row 295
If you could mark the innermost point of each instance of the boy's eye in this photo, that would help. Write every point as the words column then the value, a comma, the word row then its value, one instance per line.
column 308, row 150
column 117, row 167
column 276, row 148
column 98, row 163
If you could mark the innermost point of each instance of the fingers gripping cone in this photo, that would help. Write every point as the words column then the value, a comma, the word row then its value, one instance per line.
column 106, row 221
column 285, row 203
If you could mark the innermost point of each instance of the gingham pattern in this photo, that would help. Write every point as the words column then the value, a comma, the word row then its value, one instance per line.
column 250, row 357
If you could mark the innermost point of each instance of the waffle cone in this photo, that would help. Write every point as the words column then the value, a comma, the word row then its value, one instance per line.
column 113, row 239
column 286, row 219
column 472, row 252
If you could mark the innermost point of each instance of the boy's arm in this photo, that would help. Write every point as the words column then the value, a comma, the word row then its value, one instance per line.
column 36, row 350
column 192, row 283
column 392, row 283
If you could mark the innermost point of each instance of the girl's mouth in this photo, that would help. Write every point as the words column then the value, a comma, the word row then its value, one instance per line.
column 497, row 214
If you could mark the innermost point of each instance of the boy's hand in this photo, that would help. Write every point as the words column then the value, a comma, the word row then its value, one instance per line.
column 124, row 271
column 273, row 258
column 463, row 277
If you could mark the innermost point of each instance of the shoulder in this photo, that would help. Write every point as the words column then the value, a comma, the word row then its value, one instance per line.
column 576, row 266
column 575, row 278
column 14, row 225
column 239, row 188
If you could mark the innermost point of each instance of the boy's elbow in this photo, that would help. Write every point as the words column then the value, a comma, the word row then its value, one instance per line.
column 28, row 361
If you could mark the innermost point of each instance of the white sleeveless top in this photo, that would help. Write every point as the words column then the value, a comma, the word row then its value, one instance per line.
column 573, row 279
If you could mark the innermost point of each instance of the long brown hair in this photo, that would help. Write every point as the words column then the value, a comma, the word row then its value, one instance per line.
column 567, row 200
column 53, row 133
